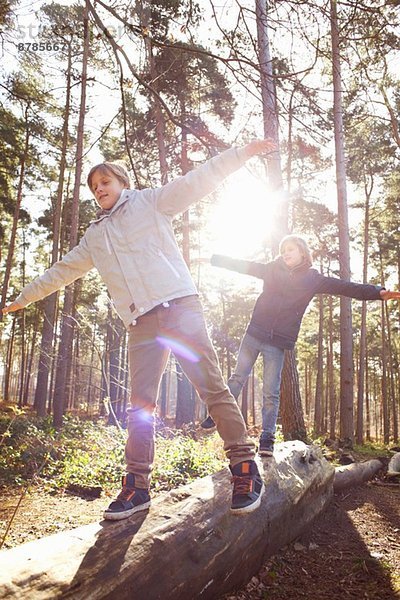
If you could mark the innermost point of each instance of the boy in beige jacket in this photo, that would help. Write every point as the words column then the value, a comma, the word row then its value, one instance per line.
column 132, row 245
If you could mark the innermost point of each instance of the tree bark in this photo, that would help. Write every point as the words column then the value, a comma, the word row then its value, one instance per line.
column 50, row 303
column 391, row 355
column 363, row 334
column 9, row 362
column 331, row 374
column 11, row 243
column 346, row 337
column 28, row 372
column 394, row 465
column 293, row 426
column 187, row 546
column 22, row 329
column 319, row 384
column 290, row 389
column 64, row 357
column 355, row 474
column 385, row 399
column 185, row 399
column 385, row 402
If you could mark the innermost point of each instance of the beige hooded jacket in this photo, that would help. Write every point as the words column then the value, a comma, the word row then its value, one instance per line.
column 133, row 246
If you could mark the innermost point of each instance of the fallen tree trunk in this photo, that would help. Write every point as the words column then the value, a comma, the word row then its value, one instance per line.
column 393, row 469
column 355, row 474
column 188, row 545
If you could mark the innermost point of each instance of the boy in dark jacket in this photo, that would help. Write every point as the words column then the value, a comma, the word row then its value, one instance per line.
column 290, row 283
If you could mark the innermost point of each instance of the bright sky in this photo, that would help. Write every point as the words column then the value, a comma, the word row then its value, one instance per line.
column 243, row 216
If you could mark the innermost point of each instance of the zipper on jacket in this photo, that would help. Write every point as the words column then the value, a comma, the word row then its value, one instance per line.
column 171, row 266
column 108, row 246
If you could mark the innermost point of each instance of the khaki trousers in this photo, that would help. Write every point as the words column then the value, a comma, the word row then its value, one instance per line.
column 179, row 327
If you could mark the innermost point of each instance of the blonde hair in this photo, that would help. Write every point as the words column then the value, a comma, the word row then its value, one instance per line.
column 300, row 243
column 110, row 168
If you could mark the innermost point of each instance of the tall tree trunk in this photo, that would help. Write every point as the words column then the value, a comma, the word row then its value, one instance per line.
column 330, row 367
column 185, row 393
column 9, row 360
column 367, row 399
column 28, row 372
column 115, row 365
column 325, row 424
column 385, row 399
column 391, row 355
column 363, row 333
column 319, row 384
column 64, row 357
column 163, row 396
column 290, row 390
column 293, row 427
column 307, row 388
column 185, row 167
column 385, row 408
column 13, row 236
column 346, row 339
column 143, row 9
column 50, row 303
column 184, row 401
column 89, row 394
column 23, row 329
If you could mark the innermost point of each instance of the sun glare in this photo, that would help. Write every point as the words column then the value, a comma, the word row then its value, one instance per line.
column 242, row 220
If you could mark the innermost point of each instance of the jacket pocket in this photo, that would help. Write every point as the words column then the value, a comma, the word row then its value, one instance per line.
column 170, row 265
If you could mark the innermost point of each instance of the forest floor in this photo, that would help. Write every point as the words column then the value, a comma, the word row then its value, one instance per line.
column 352, row 550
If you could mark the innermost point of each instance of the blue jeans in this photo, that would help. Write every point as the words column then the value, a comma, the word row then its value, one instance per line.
column 273, row 357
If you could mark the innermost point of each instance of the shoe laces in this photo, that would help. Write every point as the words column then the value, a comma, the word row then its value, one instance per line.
column 242, row 485
column 126, row 493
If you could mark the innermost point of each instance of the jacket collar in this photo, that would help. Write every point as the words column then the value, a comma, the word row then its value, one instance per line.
column 303, row 266
column 102, row 213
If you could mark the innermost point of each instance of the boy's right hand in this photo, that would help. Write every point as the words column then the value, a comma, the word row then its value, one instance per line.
column 389, row 295
column 11, row 307
column 256, row 147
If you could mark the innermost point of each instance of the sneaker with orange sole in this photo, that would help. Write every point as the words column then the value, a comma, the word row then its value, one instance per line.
column 248, row 487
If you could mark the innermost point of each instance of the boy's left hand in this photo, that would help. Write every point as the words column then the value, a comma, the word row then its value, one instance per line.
column 389, row 295
column 260, row 147
column 11, row 307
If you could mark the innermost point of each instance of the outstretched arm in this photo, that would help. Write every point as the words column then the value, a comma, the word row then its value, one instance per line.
column 178, row 195
column 247, row 267
column 73, row 265
column 359, row 291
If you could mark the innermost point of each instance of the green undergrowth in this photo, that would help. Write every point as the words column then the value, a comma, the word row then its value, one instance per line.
column 91, row 454
column 371, row 450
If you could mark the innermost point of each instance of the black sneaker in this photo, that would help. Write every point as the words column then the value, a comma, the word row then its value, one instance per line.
column 248, row 487
column 208, row 424
column 130, row 500
column 266, row 447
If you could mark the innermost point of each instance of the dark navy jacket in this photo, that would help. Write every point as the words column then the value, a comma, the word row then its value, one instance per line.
column 279, row 309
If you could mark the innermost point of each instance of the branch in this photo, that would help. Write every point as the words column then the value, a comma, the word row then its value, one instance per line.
column 393, row 116
column 118, row 49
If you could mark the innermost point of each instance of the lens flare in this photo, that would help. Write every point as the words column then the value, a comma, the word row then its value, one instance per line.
column 178, row 348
